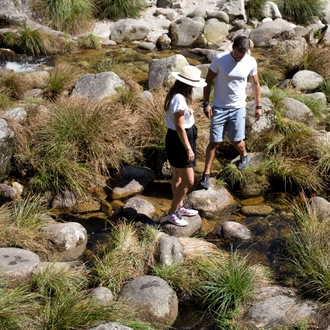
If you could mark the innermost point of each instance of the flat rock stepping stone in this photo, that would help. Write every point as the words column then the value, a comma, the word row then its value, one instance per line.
column 17, row 263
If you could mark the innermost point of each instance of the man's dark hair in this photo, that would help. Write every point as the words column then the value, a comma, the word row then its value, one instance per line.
column 242, row 43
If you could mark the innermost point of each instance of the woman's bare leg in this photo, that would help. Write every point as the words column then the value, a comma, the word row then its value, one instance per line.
column 182, row 180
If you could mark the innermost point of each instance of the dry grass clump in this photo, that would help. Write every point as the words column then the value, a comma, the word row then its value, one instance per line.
column 309, row 248
column 62, row 80
column 14, row 85
column 124, row 257
column 19, row 221
column 315, row 58
column 76, row 144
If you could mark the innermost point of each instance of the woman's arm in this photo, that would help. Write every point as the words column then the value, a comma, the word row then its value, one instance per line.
column 179, row 125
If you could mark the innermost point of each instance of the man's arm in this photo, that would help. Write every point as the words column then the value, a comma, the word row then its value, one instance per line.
column 257, row 95
column 206, row 93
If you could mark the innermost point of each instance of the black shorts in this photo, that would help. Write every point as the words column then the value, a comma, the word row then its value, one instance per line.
column 175, row 150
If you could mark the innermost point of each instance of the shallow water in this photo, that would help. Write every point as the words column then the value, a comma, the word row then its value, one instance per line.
column 266, row 245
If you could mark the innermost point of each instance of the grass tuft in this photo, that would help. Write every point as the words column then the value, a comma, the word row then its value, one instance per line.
column 309, row 247
column 117, row 9
column 299, row 11
column 123, row 258
column 71, row 16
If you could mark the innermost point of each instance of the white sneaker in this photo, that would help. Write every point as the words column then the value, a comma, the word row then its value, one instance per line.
column 176, row 219
column 187, row 212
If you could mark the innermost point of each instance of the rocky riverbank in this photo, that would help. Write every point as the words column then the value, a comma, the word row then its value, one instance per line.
column 162, row 25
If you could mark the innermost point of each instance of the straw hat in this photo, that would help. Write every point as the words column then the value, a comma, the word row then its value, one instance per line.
column 190, row 75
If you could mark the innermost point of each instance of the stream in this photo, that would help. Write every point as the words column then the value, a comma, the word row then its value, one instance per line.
column 266, row 245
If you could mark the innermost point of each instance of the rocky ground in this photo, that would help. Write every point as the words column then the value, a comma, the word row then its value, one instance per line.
column 102, row 28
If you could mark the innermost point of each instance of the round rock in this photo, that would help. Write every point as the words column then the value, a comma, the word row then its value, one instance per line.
column 17, row 263
column 153, row 298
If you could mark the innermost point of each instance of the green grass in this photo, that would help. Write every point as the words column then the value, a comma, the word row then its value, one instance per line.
column 28, row 213
column 117, row 9
column 5, row 100
column 76, row 144
column 62, row 79
column 309, row 248
column 325, row 88
column 16, row 303
column 227, row 287
column 253, row 174
column 30, row 42
column 300, row 11
column 71, row 16
column 254, row 9
column 123, row 258
column 89, row 41
column 13, row 86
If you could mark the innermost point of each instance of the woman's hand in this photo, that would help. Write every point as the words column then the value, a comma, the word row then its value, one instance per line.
column 191, row 155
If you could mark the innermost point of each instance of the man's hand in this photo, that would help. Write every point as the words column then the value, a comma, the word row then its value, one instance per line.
column 208, row 111
column 258, row 114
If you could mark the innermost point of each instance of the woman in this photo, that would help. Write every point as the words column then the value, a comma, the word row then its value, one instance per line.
column 181, row 137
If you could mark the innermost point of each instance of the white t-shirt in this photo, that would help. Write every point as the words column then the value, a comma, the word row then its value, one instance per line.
column 178, row 103
column 231, row 79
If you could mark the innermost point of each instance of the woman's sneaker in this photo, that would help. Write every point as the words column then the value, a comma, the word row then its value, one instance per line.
column 176, row 219
column 187, row 212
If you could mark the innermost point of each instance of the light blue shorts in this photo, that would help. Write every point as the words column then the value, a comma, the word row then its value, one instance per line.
column 233, row 119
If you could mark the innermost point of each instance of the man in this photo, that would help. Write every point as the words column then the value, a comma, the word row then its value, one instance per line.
column 230, row 71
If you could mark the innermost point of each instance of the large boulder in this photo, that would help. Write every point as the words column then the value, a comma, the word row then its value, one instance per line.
column 152, row 298
column 307, row 80
column 160, row 70
column 215, row 31
column 185, row 31
column 235, row 9
column 170, row 250
column 69, row 239
column 97, row 86
column 215, row 202
column 131, row 180
column 297, row 111
column 127, row 30
column 265, row 34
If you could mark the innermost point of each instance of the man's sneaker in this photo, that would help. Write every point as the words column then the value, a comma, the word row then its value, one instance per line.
column 243, row 162
column 205, row 182
column 187, row 212
column 176, row 219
